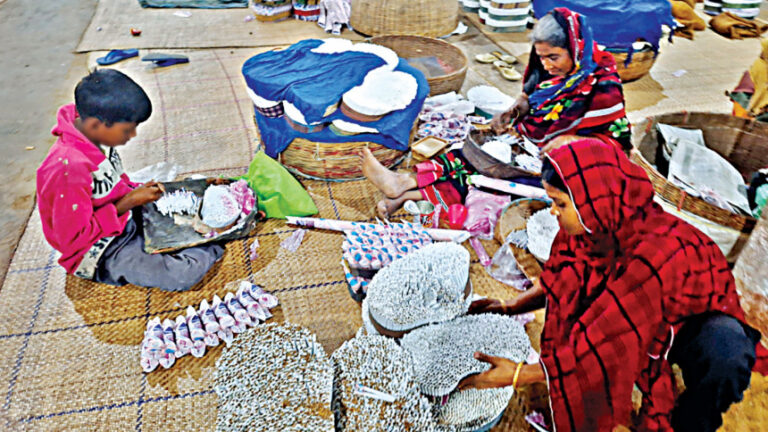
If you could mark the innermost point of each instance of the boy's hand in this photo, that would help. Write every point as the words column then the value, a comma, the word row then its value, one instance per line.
column 148, row 192
column 218, row 181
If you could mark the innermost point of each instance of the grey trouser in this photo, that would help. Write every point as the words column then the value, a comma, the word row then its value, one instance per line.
column 125, row 262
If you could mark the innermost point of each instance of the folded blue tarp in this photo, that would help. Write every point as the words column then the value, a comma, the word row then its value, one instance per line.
column 618, row 23
column 198, row 4
column 313, row 82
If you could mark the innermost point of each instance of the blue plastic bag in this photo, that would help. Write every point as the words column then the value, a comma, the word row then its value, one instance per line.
column 618, row 23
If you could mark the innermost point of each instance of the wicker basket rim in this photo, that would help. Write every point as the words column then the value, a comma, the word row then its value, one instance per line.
column 428, row 40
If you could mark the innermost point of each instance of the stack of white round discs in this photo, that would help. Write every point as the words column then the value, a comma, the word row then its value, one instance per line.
column 275, row 378
column 338, row 46
column 377, row 363
column 426, row 286
column 542, row 228
column 382, row 92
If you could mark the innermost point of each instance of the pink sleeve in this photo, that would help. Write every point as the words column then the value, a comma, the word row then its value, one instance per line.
column 77, row 224
column 128, row 181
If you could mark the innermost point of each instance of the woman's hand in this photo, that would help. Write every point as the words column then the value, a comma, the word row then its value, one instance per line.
column 489, row 306
column 501, row 122
column 501, row 374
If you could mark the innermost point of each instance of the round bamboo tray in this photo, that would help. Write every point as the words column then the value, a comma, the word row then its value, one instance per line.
column 515, row 217
column 641, row 64
column 431, row 18
column 743, row 142
column 409, row 47
column 486, row 164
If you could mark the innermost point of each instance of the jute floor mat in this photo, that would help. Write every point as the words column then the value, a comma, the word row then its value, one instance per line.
column 110, row 28
column 70, row 348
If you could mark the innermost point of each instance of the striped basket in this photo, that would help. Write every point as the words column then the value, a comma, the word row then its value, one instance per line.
column 713, row 7
column 483, row 12
column 508, row 16
column 748, row 9
column 472, row 6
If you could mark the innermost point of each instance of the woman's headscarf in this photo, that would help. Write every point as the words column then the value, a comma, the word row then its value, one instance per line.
column 616, row 294
column 588, row 101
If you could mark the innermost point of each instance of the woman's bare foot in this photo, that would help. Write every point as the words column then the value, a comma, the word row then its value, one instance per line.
column 387, row 206
column 391, row 183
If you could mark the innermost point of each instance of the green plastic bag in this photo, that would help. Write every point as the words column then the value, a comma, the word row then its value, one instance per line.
column 279, row 194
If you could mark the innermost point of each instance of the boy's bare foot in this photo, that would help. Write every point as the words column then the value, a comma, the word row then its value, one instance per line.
column 385, row 208
column 391, row 183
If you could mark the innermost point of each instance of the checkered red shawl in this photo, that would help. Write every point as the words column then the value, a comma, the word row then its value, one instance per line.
column 616, row 296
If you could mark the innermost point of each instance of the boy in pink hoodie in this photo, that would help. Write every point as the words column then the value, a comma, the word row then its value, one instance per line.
column 86, row 200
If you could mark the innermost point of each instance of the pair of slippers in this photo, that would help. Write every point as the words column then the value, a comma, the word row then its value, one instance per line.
column 503, row 63
column 159, row 59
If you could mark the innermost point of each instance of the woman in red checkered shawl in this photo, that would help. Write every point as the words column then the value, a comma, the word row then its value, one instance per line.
column 629, row 289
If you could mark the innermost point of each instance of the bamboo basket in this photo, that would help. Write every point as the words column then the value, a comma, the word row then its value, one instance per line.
column 515, row 217
column 641, row 64
column 335, row 161
column 743, row 142
column 409, row 47
column 430, row 18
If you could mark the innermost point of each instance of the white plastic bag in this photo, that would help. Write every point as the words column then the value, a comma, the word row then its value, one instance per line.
column 709, row 173
column 504, row 269
column 159, row 172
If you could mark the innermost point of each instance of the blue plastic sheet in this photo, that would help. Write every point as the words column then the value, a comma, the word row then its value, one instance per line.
column 313, row 82
column 199, row 4
column 618, row 23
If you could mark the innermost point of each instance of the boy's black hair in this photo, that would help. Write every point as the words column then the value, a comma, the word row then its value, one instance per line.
column 550, row 175
column 112, row 97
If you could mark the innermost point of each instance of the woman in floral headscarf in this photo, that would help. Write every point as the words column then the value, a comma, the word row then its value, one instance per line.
column 571, row 87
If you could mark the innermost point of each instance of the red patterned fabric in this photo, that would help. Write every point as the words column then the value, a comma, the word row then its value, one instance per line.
column 616, row 295
column 443, row 181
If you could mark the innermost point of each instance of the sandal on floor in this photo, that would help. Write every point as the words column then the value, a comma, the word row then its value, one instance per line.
column 117, row 55
column 486, row 58
column 507, row 71
column 505, row 57
column 163, row 60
